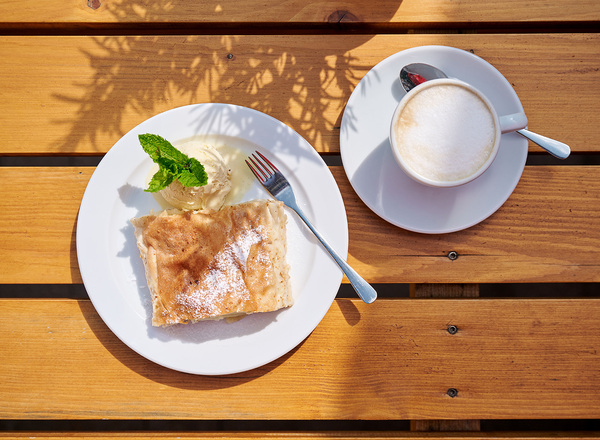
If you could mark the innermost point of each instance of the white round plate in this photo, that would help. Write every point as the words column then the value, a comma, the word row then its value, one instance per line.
column 379, row 181
column 113, row 272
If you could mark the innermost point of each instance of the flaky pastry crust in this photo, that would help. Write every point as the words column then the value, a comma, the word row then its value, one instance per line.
column 215, row 264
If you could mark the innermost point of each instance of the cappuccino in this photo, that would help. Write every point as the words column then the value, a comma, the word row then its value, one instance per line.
column 445, row 133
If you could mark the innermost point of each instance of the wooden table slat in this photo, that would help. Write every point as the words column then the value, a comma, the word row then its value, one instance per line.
column 90, row 91
column 547, row 231
column 510, row 359
column 296, row 11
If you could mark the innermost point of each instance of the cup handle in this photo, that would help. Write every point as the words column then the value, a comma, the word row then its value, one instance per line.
column 514, row 122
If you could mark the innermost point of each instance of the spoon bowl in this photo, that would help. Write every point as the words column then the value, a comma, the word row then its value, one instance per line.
column 414, row 74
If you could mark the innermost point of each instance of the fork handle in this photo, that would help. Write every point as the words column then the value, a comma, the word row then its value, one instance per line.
column 364, row 290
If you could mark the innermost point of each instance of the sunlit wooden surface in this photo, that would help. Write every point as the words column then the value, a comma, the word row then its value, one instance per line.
column 546, row 232
column 297, row 11
column 77, row 75
column 89, row 91
column 509, row 357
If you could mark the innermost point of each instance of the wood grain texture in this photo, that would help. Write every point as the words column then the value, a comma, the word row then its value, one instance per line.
column 294, row 11
column 445, row 291
column 531, row 238
column 38, row 223
column 547, row 231
column 393, row 359
column 83, row 93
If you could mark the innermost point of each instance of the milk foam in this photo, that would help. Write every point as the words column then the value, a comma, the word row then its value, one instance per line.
column 445, row 132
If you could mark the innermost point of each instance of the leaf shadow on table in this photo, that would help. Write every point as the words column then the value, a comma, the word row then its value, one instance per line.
column 295, row 78
column 128, row 79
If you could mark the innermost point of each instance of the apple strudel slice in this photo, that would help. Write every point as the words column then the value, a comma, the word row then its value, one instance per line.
column 208, row 265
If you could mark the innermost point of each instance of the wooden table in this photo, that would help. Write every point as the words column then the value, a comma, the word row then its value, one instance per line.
column 523, row 292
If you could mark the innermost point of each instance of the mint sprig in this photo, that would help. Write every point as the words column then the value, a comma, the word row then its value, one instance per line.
column 172, row 164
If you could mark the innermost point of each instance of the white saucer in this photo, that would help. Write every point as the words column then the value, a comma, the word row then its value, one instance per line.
column 378, row 180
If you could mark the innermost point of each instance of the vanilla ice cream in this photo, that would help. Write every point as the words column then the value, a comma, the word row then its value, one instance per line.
column 210, row 196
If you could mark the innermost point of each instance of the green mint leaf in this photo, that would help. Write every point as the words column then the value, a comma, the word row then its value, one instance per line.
column 170, row 166
column 188, row 179
column 161, row 179
column 151, row 143
column 158, row 147
column 197, row 169
column 173, row 164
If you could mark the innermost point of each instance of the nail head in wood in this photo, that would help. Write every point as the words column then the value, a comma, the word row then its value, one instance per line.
column 94, row 4
column 452, row 392
column 453, row 255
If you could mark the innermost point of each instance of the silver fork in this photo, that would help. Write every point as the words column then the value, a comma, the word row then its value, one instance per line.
column 278, row 186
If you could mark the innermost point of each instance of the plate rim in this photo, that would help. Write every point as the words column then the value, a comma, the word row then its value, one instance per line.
column 333, row 277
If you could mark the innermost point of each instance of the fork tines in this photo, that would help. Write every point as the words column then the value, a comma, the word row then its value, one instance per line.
column 261, row 166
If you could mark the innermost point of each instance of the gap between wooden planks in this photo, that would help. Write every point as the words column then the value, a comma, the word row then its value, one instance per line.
column 301, row 435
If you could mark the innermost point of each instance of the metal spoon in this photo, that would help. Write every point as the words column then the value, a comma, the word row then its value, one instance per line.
column 414, row 74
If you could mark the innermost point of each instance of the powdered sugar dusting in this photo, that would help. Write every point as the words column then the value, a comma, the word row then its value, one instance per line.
column 223, row 285
column 239, row 250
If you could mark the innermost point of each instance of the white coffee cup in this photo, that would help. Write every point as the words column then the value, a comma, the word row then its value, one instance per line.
column 446, row 133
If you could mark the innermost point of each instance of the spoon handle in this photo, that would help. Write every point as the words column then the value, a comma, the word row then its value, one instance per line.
column 554, row 147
